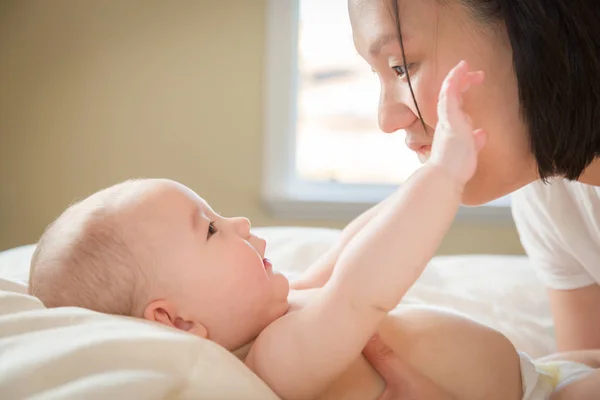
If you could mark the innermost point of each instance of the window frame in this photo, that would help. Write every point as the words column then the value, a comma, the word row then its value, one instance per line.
column 283, row 194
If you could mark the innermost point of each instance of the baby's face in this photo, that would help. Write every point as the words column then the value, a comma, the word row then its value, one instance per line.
column 211, row 275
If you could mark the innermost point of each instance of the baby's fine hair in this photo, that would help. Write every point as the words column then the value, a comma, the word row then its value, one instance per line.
column 83, row 258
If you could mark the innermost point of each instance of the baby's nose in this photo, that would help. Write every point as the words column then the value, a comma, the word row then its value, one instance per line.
column 242, row 225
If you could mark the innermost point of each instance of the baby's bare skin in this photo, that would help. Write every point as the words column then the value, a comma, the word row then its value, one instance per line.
column 462, row 359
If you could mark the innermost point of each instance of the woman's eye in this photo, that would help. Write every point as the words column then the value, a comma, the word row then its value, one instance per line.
column 400, row 71
column 211, row 229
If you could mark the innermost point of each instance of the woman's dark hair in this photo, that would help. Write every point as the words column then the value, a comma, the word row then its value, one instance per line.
column 556, row 57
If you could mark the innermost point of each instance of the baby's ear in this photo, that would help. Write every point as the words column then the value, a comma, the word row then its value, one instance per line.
column 162, row 312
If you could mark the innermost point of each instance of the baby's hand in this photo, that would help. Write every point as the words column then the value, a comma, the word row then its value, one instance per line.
column 455, row 144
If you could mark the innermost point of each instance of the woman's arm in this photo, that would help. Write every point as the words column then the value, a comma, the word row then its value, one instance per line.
column 576, row 315
column 586, row 388
column 590, row 358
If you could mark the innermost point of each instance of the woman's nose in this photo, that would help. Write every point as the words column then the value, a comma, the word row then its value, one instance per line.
column 393, row 114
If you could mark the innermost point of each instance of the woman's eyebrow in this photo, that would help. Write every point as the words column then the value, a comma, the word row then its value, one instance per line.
column 380, row 42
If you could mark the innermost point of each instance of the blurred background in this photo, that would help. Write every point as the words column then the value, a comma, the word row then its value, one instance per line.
column 95, row 92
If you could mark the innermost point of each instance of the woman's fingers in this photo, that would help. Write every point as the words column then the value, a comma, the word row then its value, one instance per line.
column 390, row 367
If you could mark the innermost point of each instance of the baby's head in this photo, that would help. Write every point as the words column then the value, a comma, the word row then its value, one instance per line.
column 154, row 249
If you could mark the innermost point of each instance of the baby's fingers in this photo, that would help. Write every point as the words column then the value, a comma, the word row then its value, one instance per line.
column 480, row 139
column 457, row 81
column 448, row 103
column 472, row 78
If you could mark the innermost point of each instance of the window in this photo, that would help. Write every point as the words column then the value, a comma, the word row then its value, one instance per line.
column 324, row 153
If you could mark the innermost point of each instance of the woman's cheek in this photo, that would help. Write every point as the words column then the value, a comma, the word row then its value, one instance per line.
column 427, row 92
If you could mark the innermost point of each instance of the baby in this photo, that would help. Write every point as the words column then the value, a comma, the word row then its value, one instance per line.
column 154, row 249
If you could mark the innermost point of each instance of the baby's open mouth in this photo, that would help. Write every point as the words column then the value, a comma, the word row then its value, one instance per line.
column 267, row 263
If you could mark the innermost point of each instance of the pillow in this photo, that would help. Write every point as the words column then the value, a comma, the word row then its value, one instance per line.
column 14, row 263
column 72, row 353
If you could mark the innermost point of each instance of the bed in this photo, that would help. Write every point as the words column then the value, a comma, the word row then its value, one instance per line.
column 72, row 353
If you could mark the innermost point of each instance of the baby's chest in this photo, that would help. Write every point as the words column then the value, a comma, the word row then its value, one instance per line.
column 298, row 299
column 358, row 382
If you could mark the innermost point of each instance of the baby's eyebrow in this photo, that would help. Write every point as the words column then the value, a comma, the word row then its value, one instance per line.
column 209, row 211
column 195, row 218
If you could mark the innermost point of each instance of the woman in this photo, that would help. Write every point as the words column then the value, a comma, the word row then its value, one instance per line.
column 540, row 104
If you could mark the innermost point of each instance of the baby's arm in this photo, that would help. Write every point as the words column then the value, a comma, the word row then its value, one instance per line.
column 302, row 352
column 320, row 271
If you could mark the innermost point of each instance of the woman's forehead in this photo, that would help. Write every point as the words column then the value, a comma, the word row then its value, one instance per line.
column 423, row 23
column 374, row 19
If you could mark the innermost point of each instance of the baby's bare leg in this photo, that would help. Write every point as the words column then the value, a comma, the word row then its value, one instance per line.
column 465, row 358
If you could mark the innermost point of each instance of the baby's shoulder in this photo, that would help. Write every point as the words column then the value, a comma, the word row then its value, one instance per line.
column 298, row 299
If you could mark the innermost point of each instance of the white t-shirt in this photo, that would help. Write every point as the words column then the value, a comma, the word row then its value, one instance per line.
column 559, row 226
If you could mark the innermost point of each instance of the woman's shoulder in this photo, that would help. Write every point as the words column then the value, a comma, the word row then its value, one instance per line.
column 557, row 192
column 558, row 226
column 554, row 205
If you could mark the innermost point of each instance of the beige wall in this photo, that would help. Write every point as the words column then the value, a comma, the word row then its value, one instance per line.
column 93, row 92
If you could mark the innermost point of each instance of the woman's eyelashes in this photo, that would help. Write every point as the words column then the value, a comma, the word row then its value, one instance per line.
column 212, row 229
column 401, row 71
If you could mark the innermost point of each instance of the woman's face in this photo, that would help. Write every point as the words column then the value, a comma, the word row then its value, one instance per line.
column 436, row 37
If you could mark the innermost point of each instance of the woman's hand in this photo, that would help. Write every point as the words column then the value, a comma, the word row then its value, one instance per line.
column 389, row 366
column 455, row 144
column 401, row 381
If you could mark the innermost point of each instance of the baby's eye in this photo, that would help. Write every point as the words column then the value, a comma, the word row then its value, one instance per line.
column 400, row 71
column 211, row 229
